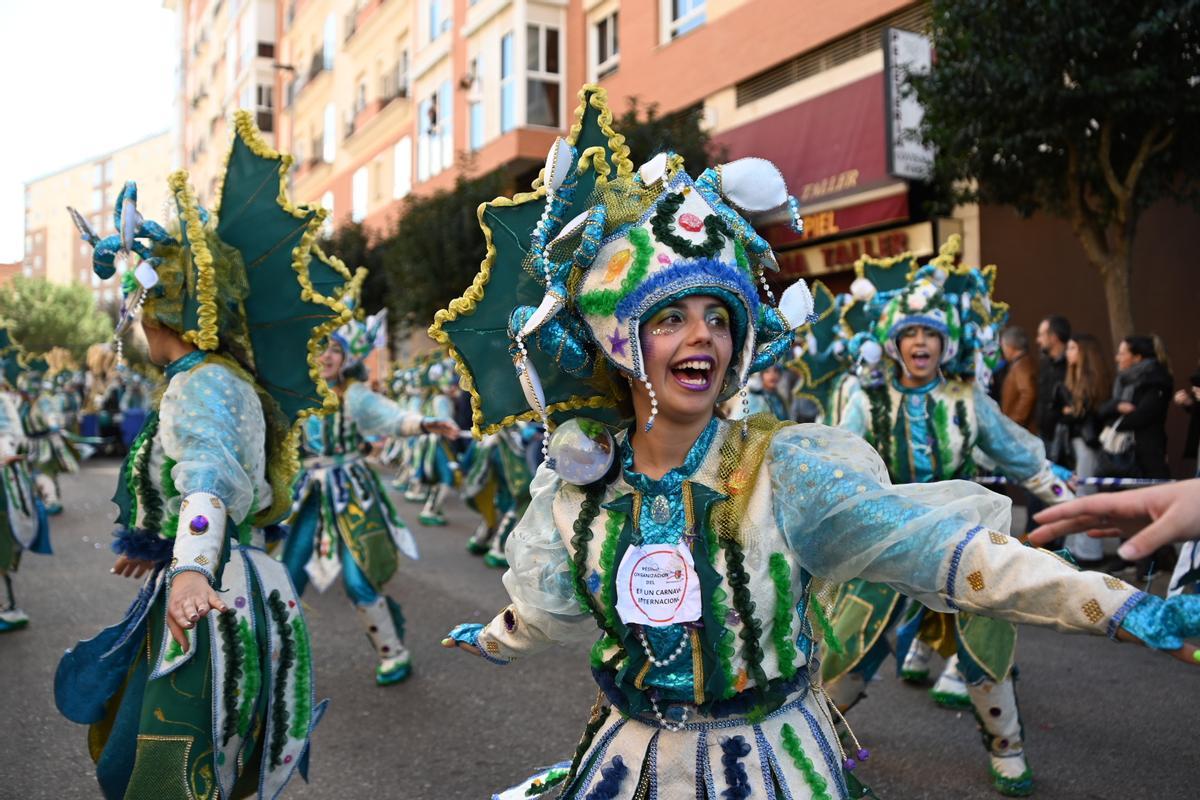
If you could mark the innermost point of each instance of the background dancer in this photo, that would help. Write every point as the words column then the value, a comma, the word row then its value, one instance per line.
column 342, row 520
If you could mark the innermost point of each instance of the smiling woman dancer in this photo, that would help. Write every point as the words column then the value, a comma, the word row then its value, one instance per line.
column 205, row 688
column 694, row 544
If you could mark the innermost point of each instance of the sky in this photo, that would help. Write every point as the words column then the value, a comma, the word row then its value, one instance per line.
column 81, row 78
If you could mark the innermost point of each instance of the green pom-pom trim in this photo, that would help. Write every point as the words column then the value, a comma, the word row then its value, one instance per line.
column 817, row 784
column 781, row 625
column 608, row 587
column 253, row 670
column 818, row 614
column 231, row 646
column 301, row 686
column 725, row 647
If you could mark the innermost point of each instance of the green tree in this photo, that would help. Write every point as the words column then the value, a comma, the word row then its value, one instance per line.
column 45, row 315
column 1083, row 110
column 435, row 249
column 354, row 246
column 647, row 132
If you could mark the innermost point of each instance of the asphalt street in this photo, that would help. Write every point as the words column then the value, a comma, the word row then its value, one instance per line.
column 1102, row 720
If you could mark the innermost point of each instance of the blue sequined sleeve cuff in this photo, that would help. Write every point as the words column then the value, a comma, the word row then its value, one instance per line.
column 1164, row 624
column 468, row 633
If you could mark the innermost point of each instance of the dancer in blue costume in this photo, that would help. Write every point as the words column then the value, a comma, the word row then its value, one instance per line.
column 698, row 546
column 205, row 688
column 929, row 418
column 342, row 519
column 438, row 470
column 497, row 487
column 23, row 524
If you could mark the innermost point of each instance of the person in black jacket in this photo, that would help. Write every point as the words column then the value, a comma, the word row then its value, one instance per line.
column 1140, row 399
column 1053, row 333
column 1189, row 400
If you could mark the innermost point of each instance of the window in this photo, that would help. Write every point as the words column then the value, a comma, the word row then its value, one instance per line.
column 508, row 88
column 682, row 16
column 327, row 204
column 426, row 128
column 358, row 195
column 360, row 95
column 475, row 135
column 97, row 199
column 265, row 96
column 543, row 89
column 439, row 18
column 606, row 50
column 99, row 175
column 329, row 141
column 402, row 168
column 446, row 116
column 329, row 38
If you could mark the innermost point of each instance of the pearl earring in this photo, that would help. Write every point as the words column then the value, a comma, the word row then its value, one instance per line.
column 653, row 404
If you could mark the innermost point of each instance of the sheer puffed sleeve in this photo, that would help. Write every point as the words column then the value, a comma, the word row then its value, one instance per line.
column 544, row 608
column 212, row 427
column 376, row 415
column 939, row 543
column 856, row 416
column 1016, row 452
column 836, row 506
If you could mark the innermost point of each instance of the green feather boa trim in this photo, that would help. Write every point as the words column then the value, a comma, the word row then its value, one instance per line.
column 781, row 626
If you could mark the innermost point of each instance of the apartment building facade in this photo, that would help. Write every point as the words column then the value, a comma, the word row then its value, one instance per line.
column 227, row 61
column 53, row 249
column 381, row 99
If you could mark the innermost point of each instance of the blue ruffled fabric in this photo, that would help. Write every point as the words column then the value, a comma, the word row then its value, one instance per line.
column 141, row 544
column 611, row 777
column 733, row 750
column 1164, row 624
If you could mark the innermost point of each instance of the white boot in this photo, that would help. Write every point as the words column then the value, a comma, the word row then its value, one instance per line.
column 995, row 707
column 11, row 617
column 495, row 557
column 47, row 489
column 394, row 661
column 951, row 690
column 916, row 663
column 481, row 541
column 431, row 514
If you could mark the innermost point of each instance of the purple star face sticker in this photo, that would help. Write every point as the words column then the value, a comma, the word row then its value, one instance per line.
column 618, row 342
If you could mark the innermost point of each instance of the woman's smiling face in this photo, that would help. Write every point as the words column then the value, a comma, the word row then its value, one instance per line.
column 686, row 349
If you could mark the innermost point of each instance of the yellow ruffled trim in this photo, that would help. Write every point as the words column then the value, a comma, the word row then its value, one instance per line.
column 205, row 337
column 466, row 304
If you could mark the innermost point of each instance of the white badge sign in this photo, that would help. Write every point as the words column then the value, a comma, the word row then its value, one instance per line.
column 657, row 586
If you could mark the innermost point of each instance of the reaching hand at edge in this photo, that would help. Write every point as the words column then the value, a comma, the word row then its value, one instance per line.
column 1149, row 518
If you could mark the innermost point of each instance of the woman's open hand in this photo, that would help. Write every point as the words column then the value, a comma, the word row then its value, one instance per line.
column 190, row 599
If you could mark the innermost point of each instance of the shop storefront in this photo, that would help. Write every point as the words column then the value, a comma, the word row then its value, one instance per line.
column 834, row 152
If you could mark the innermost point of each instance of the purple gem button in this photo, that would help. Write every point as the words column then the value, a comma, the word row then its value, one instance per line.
column 199, row 524
column 240, row 602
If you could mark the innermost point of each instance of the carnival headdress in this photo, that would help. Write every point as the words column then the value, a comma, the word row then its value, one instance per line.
column 247, row 283
column 891, row 295
column 358, row 337
column 573, row 266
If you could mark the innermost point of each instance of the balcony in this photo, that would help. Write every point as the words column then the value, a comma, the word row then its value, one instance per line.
column 393, row 86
